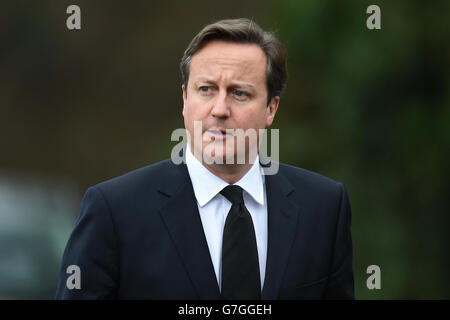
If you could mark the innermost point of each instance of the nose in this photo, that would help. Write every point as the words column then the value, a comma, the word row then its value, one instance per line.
column 220, row 108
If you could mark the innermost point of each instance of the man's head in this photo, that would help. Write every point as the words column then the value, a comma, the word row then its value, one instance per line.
column 244, row 31
column 233, row 75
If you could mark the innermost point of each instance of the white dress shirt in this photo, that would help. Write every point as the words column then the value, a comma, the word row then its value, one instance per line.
column 213, row 208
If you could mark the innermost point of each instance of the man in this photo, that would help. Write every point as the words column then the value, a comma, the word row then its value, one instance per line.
column 214, row 227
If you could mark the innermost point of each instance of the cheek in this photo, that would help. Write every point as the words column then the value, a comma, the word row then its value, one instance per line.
column 188, row 111
column 196, row 111
column 190, row 114
column 255, row 119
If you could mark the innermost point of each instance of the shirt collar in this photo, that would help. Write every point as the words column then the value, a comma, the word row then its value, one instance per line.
column 207, row 185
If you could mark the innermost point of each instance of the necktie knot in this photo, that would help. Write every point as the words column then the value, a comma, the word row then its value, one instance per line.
column 233, row 193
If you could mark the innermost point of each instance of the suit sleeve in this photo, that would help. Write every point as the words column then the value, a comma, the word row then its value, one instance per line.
column 341, row 283
column 91, row 248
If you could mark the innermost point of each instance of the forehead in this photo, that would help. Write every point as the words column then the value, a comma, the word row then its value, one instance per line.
column 230, row 60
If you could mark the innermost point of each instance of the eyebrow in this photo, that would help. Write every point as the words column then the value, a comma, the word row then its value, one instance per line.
column 238, row 84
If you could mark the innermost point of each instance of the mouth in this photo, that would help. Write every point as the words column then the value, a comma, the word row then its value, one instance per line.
column 217, row 134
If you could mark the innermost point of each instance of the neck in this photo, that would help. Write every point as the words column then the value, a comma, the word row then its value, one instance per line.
column 227, row 172
column 230, row 173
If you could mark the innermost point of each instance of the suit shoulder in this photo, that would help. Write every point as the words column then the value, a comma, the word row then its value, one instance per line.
column 144, row 178
column 288, row 170
column 305, row 179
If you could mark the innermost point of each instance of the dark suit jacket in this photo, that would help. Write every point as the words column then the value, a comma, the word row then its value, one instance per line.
column 140, row 236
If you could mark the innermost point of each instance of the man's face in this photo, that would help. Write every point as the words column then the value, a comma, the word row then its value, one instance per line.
column 226, row 90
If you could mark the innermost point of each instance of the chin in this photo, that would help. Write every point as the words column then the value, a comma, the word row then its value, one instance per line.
column 217, row 154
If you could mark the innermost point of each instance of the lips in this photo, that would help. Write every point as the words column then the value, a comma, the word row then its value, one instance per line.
column 217, row 133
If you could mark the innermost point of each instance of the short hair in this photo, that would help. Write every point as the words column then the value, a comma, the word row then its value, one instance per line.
column 243, row 31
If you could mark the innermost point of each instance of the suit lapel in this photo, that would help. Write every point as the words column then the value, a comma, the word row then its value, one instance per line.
column 183, row 222
column 282, row 224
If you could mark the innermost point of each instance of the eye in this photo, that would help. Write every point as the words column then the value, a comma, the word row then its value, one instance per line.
column 241, row 95
column 205, row 89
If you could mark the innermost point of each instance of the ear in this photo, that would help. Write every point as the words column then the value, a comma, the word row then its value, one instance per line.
column 272, row 110
column 183, row 88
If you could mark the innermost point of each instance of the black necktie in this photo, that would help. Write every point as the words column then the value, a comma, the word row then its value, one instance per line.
column 240, row 268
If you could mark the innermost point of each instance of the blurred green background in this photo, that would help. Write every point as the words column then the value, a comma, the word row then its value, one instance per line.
column 369, row 108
